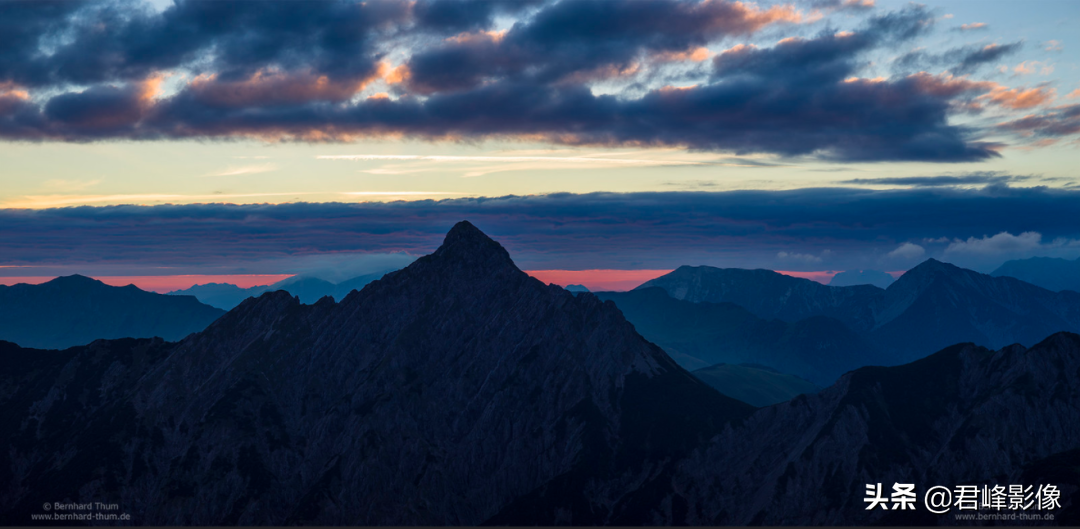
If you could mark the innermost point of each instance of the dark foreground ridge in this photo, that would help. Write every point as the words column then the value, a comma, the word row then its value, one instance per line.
column 461, row 391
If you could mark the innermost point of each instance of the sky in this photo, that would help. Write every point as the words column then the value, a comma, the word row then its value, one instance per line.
column 262, row 139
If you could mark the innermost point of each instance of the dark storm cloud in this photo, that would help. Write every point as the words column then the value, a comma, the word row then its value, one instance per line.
column 600, row 230
column 455, row 16
column 292, row 71
column 579, row 37
column 122, row 41
column 959, row 61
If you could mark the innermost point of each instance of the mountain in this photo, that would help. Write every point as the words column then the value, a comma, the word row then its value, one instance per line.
column 308, row 289
column 862, row 277
column 577, row 288
column 1048, row 272
column 76, row 310
column 461, row 391
column 221, row 295
column 343, row 288
column 754, row 384
column 963, row 416
column 769, row 294
column 698, row 335
column 931, row 306
column 938, row 304
column 458, row 390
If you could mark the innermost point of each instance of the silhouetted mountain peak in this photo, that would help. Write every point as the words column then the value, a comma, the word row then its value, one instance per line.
column 74, row 280
column 925, row 273
column 466, row 247
column 932, row 265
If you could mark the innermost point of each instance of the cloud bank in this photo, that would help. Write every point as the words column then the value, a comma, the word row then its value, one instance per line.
column 574, row 72
column 809, row 229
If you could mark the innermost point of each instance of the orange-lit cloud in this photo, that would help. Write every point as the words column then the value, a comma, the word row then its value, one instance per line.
column 945, row 85
column 1018, row 98
column 698, row 54
column 756, row 18
column 10, row 89
column 973, row 25
column 270, row 87
column 11, row 97
column 1030, row 67
column 477, row 36
column 396, row 75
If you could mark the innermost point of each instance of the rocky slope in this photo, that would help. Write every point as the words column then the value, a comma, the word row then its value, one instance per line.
column 754, row 384
column 456, row 391
column 698, row 335
column 965, row 415
column 75, row 310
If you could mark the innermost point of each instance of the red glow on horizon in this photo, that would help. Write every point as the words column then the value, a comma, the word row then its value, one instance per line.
column 163, row 284
column 598, row 280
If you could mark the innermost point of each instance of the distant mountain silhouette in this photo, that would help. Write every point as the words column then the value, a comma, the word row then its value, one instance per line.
column 308, row 289
column 577, row 288
column 930, row 307
column 1048, row 272
column 221, row 295
column 937, row 304
column 769, row 294
column 458, row 390
column 461, row 391
column 698, row 335
column 76, row 310
column 862, row 277
column 754, row 384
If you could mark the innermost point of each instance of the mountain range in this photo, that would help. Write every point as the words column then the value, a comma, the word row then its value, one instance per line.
column 1050, row 273
column 862, row 277
column 455, row 391
column 699, row 335
column 930, row 307
column 309, row 289
column 76, row 310
column 461, row 391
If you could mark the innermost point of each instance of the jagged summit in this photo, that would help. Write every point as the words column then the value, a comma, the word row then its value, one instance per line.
column 467, row 243
column 467, row 256
column 932, row 265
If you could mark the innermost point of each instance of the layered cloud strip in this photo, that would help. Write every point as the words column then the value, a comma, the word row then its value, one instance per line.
column 807, row 230
column 715, row 75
